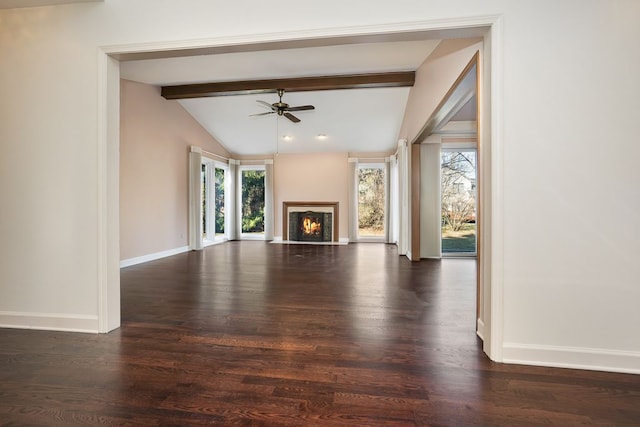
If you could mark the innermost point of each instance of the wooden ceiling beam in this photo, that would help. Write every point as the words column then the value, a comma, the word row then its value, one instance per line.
column 352, row 81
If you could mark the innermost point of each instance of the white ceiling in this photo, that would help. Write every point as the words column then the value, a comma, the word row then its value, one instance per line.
column 354, row 120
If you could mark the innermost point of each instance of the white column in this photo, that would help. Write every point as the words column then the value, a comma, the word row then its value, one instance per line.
column 231, row 206
column 387, row 199
column 430, row 210
column 353, row 199
column 394, row 200
column 269, row 212
column 403, row 193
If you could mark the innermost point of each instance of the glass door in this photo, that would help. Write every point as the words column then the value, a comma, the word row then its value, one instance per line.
column 371, row 201
column 214, row 198
column 458, row 200
column 252, row 201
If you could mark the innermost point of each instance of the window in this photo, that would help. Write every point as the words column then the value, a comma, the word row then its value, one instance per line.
column 219, row 181
column 458, row 201
column 214, row 198
column 371, row 200
column 252, row 200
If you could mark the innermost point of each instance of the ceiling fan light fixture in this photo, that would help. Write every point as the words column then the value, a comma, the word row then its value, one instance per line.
column 283, row 109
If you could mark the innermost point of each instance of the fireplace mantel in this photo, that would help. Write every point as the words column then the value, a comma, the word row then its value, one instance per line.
column 303, row 206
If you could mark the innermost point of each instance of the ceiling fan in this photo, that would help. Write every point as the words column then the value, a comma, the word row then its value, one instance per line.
column 283, row 109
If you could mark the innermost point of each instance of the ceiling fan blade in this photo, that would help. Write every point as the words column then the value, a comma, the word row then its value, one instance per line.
column 266, row 104
column 301, row 108
column 291, row 117
column 261, row 114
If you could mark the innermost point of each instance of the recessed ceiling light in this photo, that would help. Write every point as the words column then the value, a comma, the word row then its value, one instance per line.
column 287, row 137
column 322, row 136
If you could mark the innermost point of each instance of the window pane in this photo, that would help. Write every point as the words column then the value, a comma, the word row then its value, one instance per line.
column 371, row 203
column 203, row 198
column 458, row 186
column 253, row 201
column 219, row 202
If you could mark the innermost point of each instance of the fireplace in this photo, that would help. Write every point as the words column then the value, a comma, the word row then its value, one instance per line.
column 310, row 221
column 310, row 226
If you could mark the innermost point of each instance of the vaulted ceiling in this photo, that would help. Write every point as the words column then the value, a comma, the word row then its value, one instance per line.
column 353, row 120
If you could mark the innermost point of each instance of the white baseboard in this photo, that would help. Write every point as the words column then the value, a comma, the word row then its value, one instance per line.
column 343, row 240
column 572, row 357
column 49, row 321
column 207, row 243
column 277, row 239
column 480, row 330
column 151, row 257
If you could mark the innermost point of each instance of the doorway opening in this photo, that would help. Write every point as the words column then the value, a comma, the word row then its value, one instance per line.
column 489, row 28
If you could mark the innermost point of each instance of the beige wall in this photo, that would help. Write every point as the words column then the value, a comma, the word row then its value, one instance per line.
column 322, row 177
column 155, row 135
column 433, row 79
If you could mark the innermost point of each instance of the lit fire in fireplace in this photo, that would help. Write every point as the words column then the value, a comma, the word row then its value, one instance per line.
column 311, row 226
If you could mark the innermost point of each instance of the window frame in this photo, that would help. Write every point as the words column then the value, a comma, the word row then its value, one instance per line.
column 453, row 147
column 256, row 235
column 209, row 230
column 372, row 165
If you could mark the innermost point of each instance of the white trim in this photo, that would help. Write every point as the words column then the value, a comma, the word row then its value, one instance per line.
column 496, row 257
column 465, row 128
column 458, row 255
column 371, row 239
column 49, row 321
column 343, row 240
column 175, row 47
column 207, row 242
column 108, row 139
column 102, row 168
column 572, row 357
column 108, row 193
column 195, row 200
column 480, row 329
column 371, row 163
column 458, row 146
column 152, row 257
column 252, row 236
column 239, row 169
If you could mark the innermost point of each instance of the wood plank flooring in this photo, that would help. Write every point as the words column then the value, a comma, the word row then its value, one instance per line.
column 252, row 333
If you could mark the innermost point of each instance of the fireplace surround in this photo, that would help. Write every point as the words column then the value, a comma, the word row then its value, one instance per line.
column 310, row 221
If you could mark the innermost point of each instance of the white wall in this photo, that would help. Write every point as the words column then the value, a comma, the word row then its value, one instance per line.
column 566, row 131
column 430, row 211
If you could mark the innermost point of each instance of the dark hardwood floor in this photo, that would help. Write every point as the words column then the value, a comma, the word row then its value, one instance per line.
column 251, row 333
